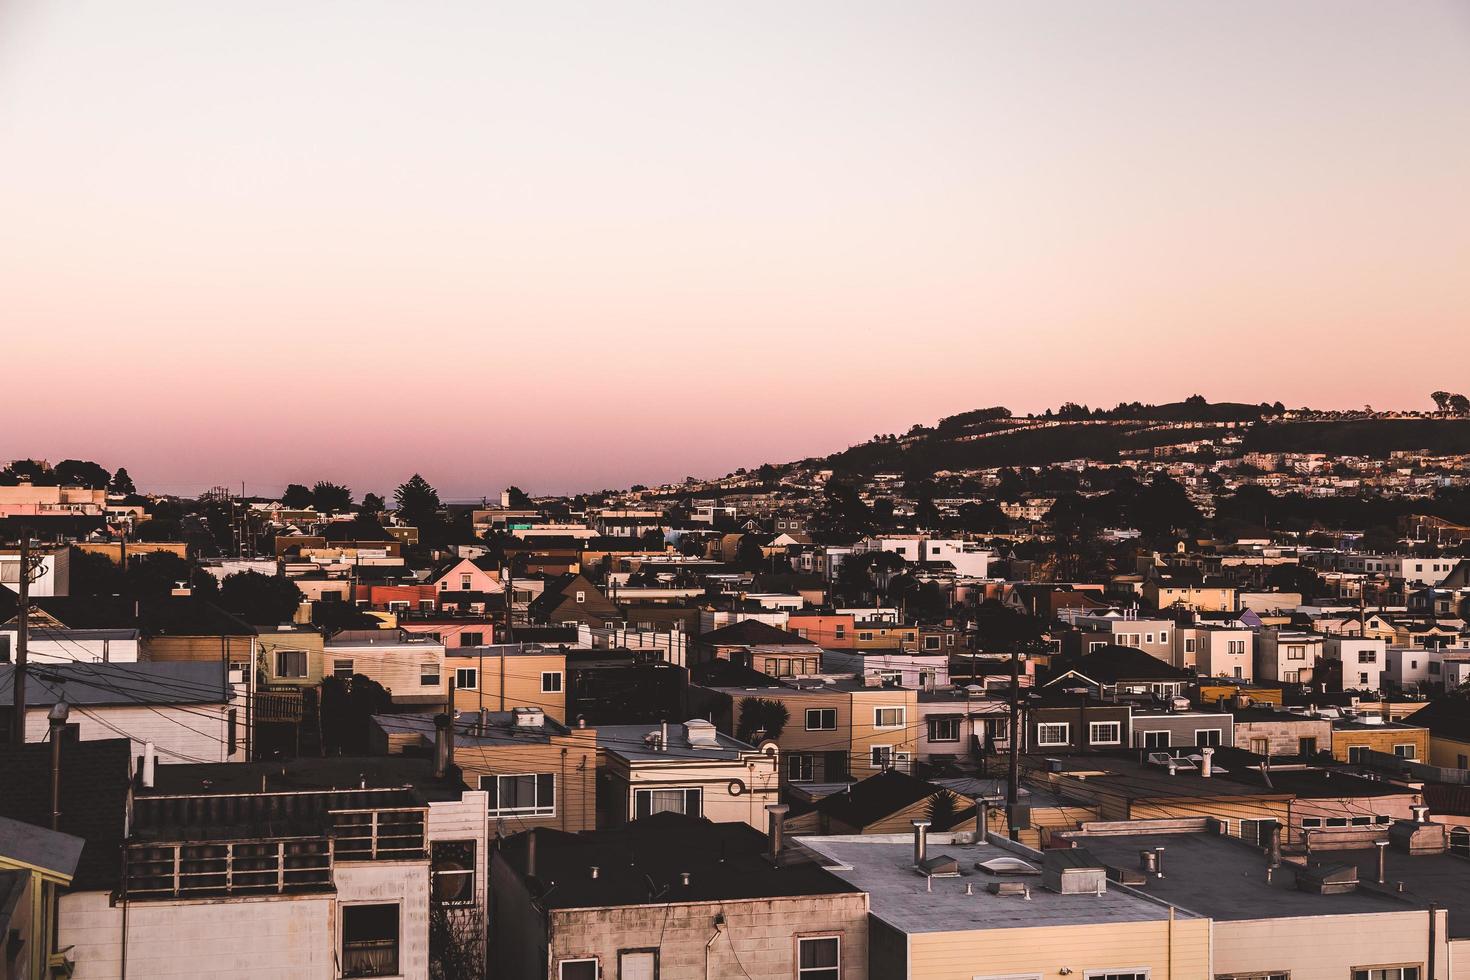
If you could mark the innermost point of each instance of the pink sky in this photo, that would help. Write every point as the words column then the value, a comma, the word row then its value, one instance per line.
column 581, row 245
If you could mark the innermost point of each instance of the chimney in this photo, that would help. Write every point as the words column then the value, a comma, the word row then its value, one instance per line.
column 593, row 872
column 442, row 752
column 150, row 763
column 982, row 821
column 684, row 878
column 1421, row 813
column 663, row 736
column 921, row 841
column 484, row 720
column 1207, row 763
column 1382, row 846
column 1273, row 847
column 778, row 828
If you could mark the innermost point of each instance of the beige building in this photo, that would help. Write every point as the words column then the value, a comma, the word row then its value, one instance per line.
column 672, row 898
column 290, row 656
column 966, row 910
column 690, row 769
column 409, row 666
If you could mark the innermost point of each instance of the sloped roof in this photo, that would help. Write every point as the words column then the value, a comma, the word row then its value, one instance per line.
column 1112, row 663
column 753, row 632
column 1446, row 717
column 95, row 776
column 876, row 797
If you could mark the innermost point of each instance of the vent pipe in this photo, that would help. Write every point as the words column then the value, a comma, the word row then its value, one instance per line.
column 921, row 841
column 778, row 828
column 441, row 745
column 1207, row 762
column 1382, row 846
column 982, row 821
column 531, row 854
column 150, row 763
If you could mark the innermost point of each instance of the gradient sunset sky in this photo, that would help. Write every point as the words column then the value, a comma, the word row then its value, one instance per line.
column 572, row 246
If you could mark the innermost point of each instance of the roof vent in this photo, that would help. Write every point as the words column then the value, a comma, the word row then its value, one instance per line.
column 701, row 734
column 529, row 718
column 1008, row 867
column 1019, row 888
column 1074, row 871
column 1328, row 879
column 940, row 866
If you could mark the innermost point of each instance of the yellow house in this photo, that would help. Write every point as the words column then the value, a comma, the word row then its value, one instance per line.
column 501, row 678
column 290, row 656
column 36, row 865
column 1351, row 740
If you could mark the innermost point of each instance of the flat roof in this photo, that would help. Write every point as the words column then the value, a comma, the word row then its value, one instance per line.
column 883, row 866
column 629, row 742
column 1225, row 878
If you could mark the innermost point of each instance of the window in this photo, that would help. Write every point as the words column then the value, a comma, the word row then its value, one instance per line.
column 1189, row 644
column 1054, row 733
column 1311, row 823
column 581, row 596
column 931, row 643
column 1105, row 732
column 840, row 632
column 1236, row 647
column 1148, row 638
column 577, row 970
column 1276, row 975
column 522, row 793
column 290, row 663
column 689, row 802
column 1386, row 973
column 453, row 872
column 1207, row 736
column 1406, row 751
column 944, row 729
column 865, row 635
column 465, row 581
column 1367, row 657
column 342, row 669
column 467, row 679
column 1156, row 740
column 1296, row 653
column 1163, row 636
column 468, row 639
column 550, row 681
column 1357, row 753
column 888, row 717
column 1119, row 975
column 428, row 675
column 820, row 958
column 369, row 940
column 882, row 756
column 638, row 964
column 799, row 766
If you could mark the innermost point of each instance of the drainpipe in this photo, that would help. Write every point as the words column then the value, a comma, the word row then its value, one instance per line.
column 1433, row 915
column 57, row 717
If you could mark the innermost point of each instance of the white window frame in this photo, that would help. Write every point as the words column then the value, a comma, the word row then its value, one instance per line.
column 945, row 741
column 1137, row 971
column 305, row 664
column 1168, row 739
column 686, row 790
column 472, row 672
column 1093, row 726
column 819, row 727
column 551, row 690
column 1219, row 736
column 874, row 763
column 532, row 811
column 337, row 667
column 424, row 669
column 902, row 715
column 1413, row 749
column 1043, row 743
column 811, row 971
column 805, row 764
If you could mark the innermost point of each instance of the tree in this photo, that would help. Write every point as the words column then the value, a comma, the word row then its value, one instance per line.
column 347, row 708
column 94, row 574
column 843, row 512
column 296, row 497
column 82, row 473
column 27, row 470
column 456, row 947
column 1460, row 405
column 330, row 498
column 261, row 599
column 122, row 483
column 519, row 499
column 1441, row 400
column 156, row 575
column 373, row 505
column 943, row 810
column 158, row 529
column 748, row 554
column 761, row 719
column 418, row 501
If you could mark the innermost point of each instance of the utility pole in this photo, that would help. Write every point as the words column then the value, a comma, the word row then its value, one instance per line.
column 22, row 632
column 1013, row 780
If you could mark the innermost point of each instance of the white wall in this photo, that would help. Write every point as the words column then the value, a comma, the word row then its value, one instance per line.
column 198, row 734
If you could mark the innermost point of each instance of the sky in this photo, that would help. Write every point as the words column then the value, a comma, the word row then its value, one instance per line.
column 581, row 245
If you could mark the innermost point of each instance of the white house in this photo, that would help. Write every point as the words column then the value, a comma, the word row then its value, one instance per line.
column 1363, row 660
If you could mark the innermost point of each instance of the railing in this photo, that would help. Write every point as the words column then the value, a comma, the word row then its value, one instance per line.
column 228, row 867
column 377, row 835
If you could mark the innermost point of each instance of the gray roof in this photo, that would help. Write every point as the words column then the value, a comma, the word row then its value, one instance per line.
column 145, row 682
column 1225, row 878
column 628, row 741
column 40, row 847
column 882, row 865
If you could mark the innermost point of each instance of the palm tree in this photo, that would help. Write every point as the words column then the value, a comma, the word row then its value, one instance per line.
column 761, row 718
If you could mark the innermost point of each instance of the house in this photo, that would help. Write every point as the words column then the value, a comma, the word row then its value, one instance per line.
column 1271, row 732
column 537, row 773
column 762, row 647
column 409, row 667
column 465, row 575
column 188, row 711
column 688, row 768
column 1354, row 738
column 1286, row 918
column 1363, row 660
column 946, row 907
column 571, row 598
column 314, row 868
column 1167, row 728
column 1152, row 636
column 623, row 686
column 291, row 655
column 1059, row 722
column 835, row 729
column 1120, row 671
column 62, row 645
column 1287, row 656
column 1448, row 719
column 671, row 896
column 957, row 722
column 1412, row 669
column 1171, row 591
column 36, row 865
column 1215, row 650
column 509, row 676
